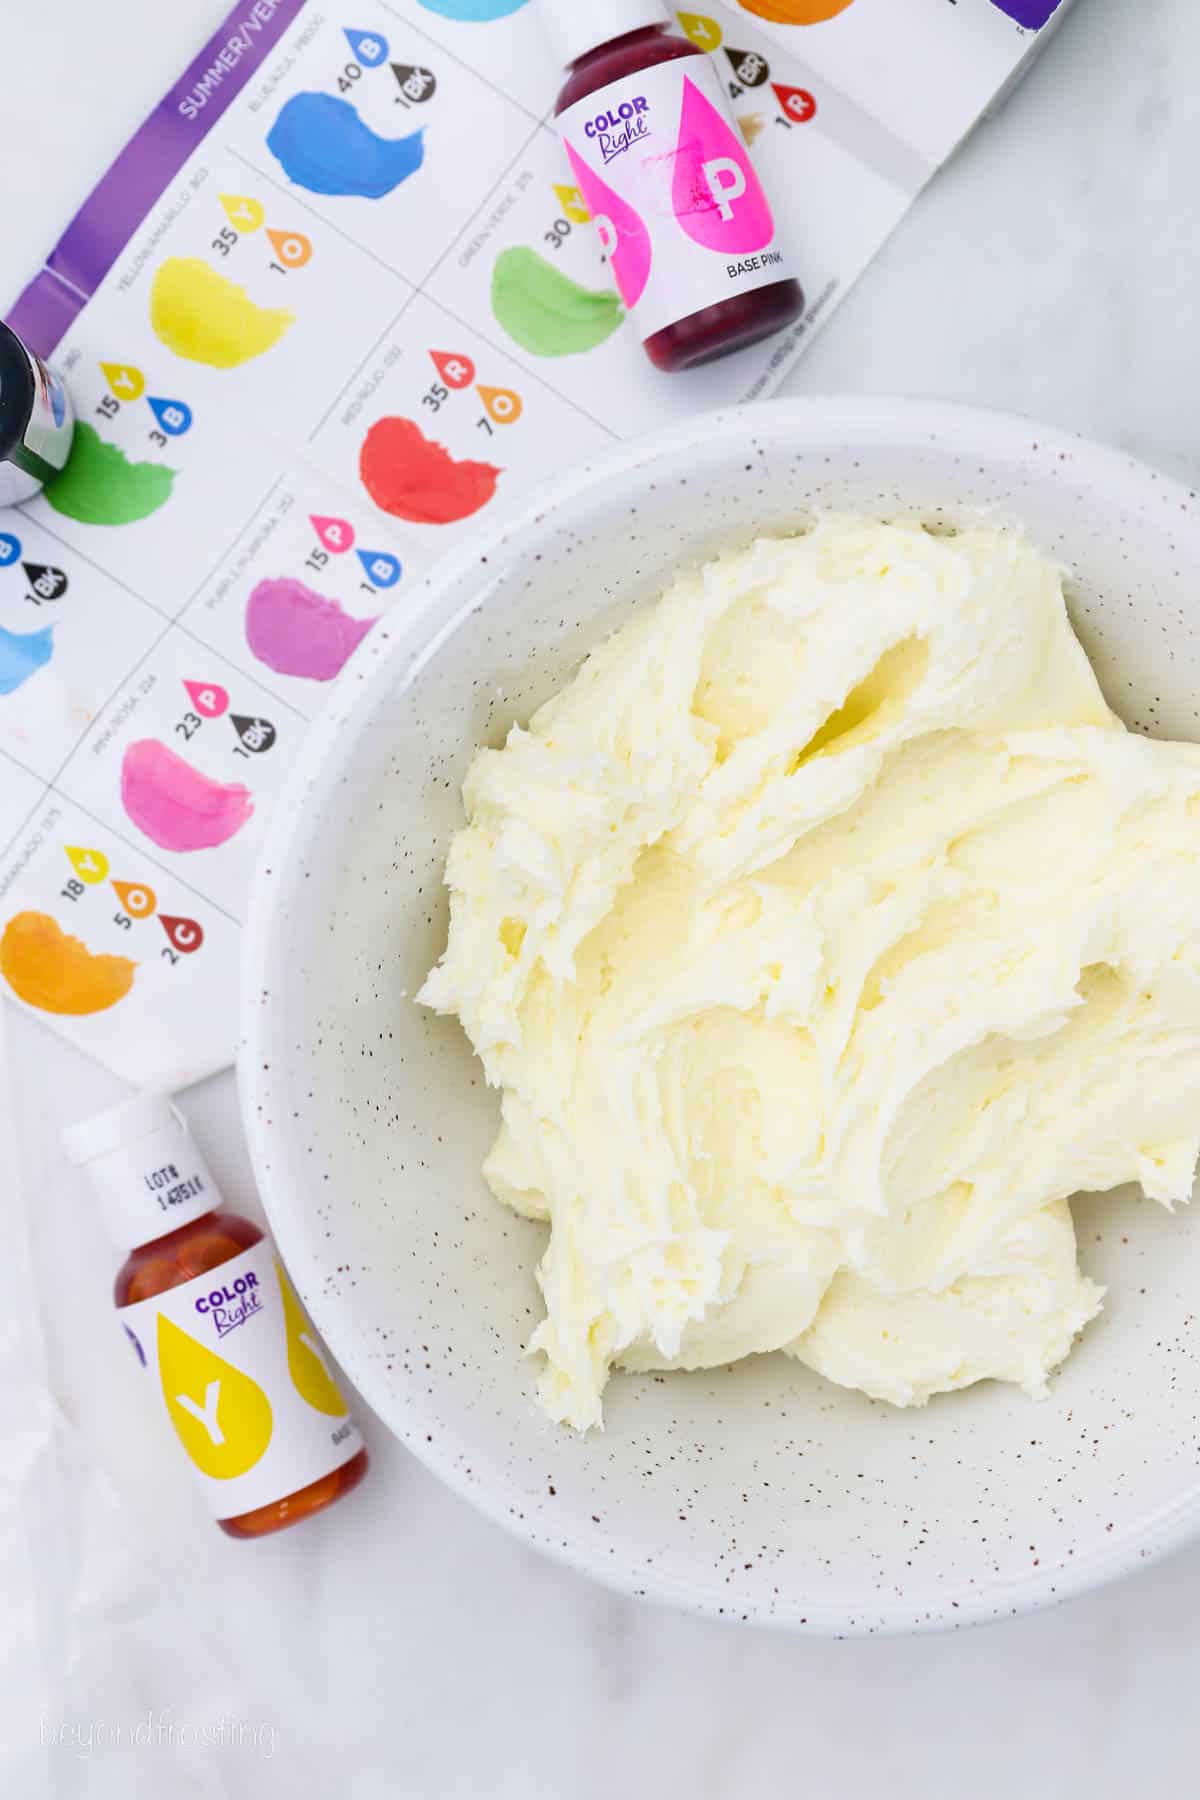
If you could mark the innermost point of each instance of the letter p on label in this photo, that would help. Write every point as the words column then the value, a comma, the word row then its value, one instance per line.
column 726, row 182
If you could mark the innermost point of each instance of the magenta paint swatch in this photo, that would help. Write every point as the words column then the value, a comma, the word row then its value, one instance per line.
column 176, row 806
column 296, row 631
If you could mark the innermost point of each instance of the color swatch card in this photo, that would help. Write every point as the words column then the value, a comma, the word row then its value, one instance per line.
column 338, row 297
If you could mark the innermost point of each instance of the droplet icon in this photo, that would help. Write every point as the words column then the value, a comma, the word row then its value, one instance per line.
column 417, row 84
column 718, row 198
column 126, row 383
column 368, row 46
column 186, row 935
column 456, row 371
column 622, row 231
column 306, row 1356
column 336, row 535
column 90, row 865
column 504, row 406
column 383, row 570
column 704, row 32
column 797, row 103
column 257, row 735
column 208, row 698
column 138, row 900
column 174, row 416
column 222, row 1417
column 291, row 247
column 47, row 582
column 572, row 202
column 243, row 212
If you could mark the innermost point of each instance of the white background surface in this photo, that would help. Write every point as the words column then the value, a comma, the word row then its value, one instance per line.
column 401, row 1646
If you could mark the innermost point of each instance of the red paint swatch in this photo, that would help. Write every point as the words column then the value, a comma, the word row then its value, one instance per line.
column 413, row 478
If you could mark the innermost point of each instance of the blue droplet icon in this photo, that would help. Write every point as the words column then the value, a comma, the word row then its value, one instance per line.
column 368, row 47
column 174, row 417
column 10, row 548
column 383, row 569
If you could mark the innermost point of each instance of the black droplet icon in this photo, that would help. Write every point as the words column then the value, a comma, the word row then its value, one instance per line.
column 47, row 582
column 749, row 68
column 416, row 84
column 257, row 735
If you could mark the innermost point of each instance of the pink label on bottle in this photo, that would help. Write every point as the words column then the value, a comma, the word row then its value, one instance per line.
column 622, row 231
column 718, row 198
column 678, row 204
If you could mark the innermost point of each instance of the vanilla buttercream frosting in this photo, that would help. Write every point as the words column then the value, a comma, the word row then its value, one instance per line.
column 823, row 936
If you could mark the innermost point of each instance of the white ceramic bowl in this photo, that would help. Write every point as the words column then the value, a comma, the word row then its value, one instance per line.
column 759, row 1492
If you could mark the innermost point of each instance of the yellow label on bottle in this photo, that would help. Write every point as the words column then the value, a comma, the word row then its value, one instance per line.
column 222, row 1417
column 245, row 1382
column 306, row 1355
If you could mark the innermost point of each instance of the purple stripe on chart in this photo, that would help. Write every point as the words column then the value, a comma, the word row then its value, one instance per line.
column 1032, row 14
column 45, row 312
column 151, row 159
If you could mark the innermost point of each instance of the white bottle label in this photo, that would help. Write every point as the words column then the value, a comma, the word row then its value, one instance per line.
column 245, row 1382
column 669, row 183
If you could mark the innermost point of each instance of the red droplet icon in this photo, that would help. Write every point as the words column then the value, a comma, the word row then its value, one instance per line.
column 622, row 231
column 138, row 900
column 185, row 934
column 208, row 699
column 798, row 104
column 337, row 535
column 455, row 371
column 718, row 198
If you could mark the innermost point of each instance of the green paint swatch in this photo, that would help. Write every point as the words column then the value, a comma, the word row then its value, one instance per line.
column 545, row 311
column 100, row 486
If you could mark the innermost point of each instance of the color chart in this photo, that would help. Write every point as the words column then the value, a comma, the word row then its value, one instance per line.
column 336, row 298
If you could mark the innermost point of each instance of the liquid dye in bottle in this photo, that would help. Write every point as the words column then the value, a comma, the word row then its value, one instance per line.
column 209, row 1312
column 37, row 421
column 667, row 178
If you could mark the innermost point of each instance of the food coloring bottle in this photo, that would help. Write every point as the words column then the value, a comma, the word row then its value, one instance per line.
column 214, row 1321
column 666, row 176
column 37, row 421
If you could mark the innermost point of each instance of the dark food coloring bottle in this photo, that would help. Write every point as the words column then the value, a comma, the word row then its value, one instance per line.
column 666, row 176
column 37, row 422
column 214, row 1320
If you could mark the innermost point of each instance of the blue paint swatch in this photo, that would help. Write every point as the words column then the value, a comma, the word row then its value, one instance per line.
column 325, row 147
column 22, row 655
column 476, row 12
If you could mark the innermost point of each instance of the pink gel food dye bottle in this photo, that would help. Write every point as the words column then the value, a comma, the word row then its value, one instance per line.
column 668, row 180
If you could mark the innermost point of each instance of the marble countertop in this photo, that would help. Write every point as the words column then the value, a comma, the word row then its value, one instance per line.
column 402, row 1645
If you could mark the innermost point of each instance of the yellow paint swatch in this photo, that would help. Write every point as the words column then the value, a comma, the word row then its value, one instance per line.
column 46, row 968
column 206, row 319
column 222, row 1417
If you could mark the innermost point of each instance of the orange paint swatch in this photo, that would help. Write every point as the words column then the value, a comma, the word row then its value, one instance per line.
column 795, row 12
column 56, row 973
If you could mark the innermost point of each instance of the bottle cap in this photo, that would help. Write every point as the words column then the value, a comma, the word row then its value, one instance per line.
column 576, row 26
column 144, row 1167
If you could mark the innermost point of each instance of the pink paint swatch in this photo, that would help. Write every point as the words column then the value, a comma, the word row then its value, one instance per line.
column 298, row 632
column 176, row 806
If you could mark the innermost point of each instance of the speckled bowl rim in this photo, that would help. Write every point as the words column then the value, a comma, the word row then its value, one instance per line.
column 387, row 659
